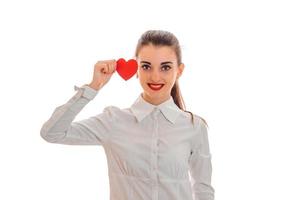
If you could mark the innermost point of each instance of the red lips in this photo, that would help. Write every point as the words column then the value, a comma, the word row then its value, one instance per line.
column 155, row 86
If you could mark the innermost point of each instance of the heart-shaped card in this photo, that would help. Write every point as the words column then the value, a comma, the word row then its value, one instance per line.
column 126, row 69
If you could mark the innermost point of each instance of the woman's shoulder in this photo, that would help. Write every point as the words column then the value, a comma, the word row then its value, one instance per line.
column 111, row 108
column 117, row 113
column 116, row 109
column 109, row 112
column 201, row 120
column 195, row 118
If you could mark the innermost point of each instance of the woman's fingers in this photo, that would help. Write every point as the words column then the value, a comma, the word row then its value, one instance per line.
column 111, row 66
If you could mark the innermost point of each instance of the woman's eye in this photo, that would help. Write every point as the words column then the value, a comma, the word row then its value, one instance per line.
column 166, row 67
column 145, row 66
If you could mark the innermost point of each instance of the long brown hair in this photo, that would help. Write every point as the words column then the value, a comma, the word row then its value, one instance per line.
column 166, row 38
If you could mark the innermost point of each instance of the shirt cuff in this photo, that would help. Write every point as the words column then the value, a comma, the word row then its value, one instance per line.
column 87, row 92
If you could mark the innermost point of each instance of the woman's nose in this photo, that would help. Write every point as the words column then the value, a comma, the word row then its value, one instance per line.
column 155, row 76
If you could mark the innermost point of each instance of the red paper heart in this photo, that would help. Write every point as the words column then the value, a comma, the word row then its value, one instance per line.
column 126, row 69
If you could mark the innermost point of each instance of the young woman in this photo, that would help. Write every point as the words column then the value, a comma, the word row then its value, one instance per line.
column 155, row 149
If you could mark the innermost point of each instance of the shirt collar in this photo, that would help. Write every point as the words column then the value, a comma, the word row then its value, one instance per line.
column 141, row 108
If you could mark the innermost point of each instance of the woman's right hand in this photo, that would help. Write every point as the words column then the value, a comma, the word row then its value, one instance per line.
column 103, row 70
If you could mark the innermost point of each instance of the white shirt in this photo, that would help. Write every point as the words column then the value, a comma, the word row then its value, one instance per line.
column 153, row 152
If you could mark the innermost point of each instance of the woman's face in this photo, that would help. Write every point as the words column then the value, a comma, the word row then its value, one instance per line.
column 157, row 72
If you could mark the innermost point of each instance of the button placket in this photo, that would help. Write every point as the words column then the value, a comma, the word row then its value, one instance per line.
column 155, row 154
column 155, row 138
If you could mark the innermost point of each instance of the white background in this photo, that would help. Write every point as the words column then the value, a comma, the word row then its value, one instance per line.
column 242, row 75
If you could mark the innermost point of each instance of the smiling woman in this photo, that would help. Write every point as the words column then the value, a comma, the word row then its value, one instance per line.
column 153, row 150
column 158, row 53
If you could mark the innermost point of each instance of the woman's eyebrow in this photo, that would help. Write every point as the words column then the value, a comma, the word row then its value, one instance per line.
column 146, row 62
column 160, row 63
column 166, row 63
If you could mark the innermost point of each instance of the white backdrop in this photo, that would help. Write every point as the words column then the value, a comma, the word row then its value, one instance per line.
column 242, row 75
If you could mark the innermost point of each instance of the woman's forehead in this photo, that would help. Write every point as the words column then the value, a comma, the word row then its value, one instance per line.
column 156, row 54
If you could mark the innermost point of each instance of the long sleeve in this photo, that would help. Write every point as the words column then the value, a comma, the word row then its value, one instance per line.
column 61, row 129
column 200, row 166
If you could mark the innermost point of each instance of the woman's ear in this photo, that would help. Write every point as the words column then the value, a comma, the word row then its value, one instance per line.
column 180, row 70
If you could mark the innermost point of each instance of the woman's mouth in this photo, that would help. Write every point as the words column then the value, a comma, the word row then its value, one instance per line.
column 155, row 86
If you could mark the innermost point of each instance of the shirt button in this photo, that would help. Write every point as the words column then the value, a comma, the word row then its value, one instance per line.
column 156, row 111
column 154, row 167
